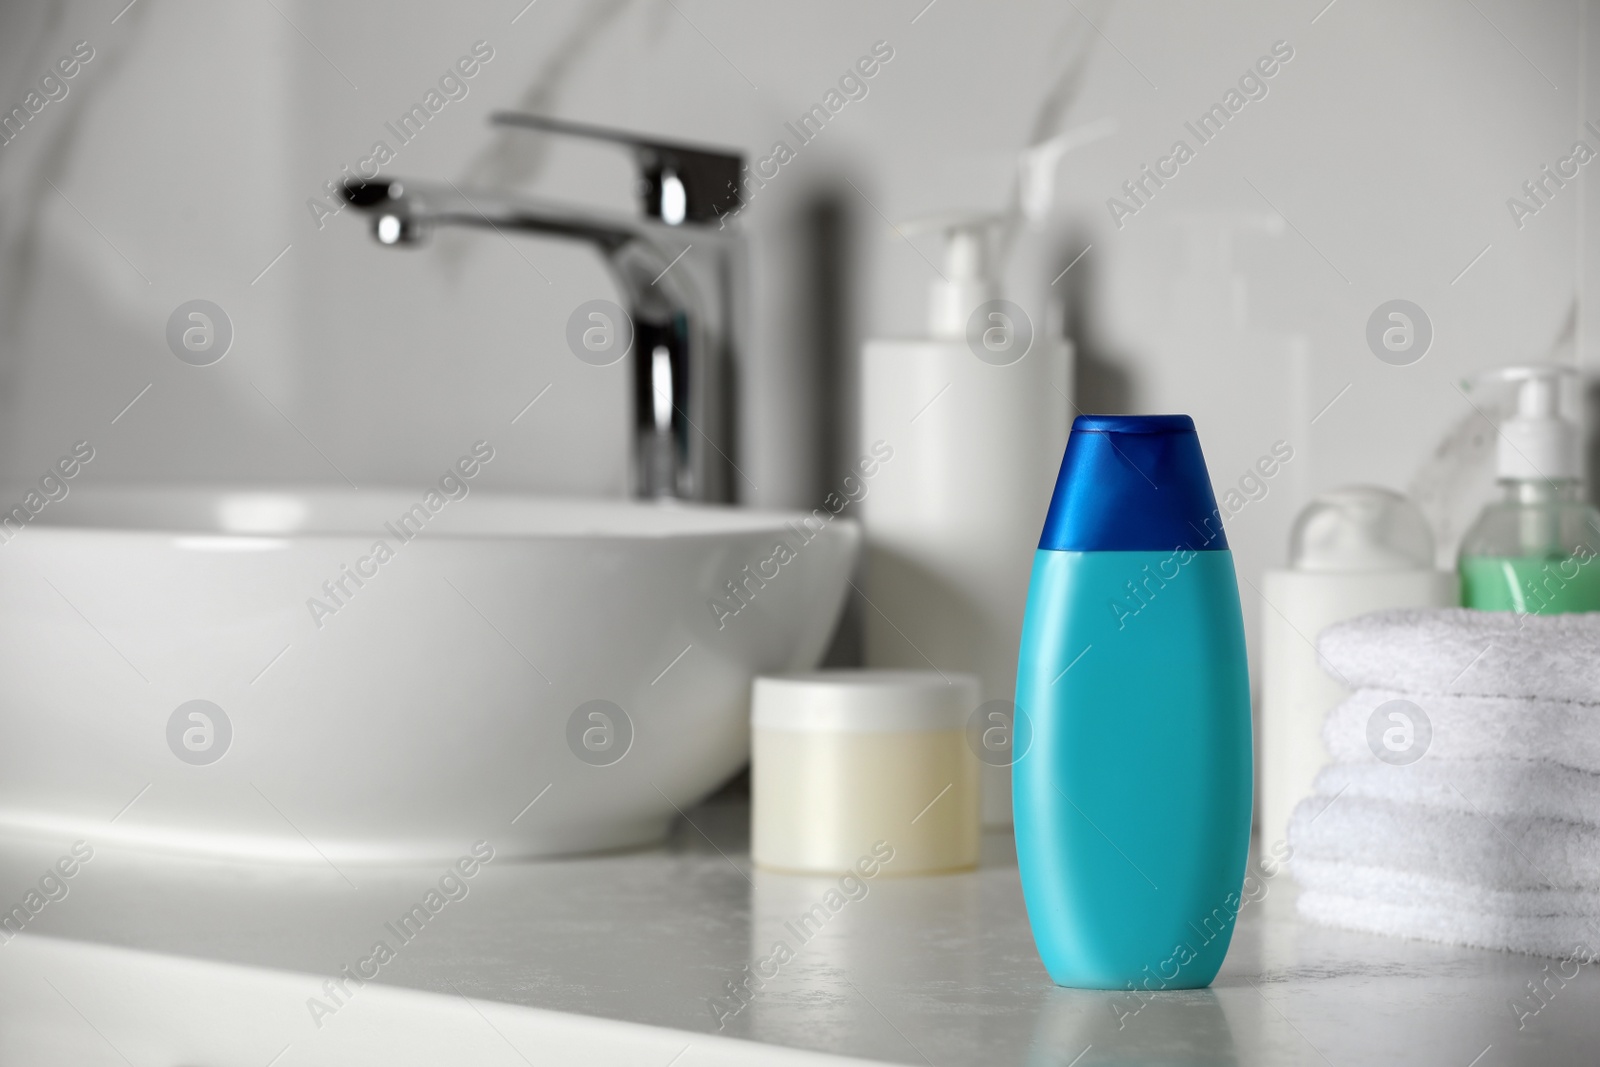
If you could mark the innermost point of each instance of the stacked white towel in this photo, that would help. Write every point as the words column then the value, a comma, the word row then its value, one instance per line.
column 1490, row 836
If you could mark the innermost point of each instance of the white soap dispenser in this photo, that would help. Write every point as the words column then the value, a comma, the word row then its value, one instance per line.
column 977, row 414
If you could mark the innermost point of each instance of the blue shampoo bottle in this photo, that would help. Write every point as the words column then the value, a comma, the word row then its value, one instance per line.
column 1133, row 798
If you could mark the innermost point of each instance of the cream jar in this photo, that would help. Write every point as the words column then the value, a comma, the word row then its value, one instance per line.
column 859, row 765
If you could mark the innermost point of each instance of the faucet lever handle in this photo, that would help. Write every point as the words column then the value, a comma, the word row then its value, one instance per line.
column 677, row 182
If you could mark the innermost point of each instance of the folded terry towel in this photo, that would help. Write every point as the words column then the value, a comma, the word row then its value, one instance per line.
column 1490, row 838
column 1408, row 870
column 1563, row 936
column 1492, row 787
column 1404, row 888
column 1479, row 653
column 1476, row 727
column 1507, row 852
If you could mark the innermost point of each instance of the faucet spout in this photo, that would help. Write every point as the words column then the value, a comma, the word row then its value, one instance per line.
column 677, row 345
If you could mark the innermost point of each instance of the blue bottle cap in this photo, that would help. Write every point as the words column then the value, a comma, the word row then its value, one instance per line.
column 1133, row 483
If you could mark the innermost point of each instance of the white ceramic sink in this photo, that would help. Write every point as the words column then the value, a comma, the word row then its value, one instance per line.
column 426, row 708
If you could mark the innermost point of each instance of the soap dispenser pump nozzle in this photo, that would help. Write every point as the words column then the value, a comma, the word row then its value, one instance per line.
column 1536, row 443
column 967, row 277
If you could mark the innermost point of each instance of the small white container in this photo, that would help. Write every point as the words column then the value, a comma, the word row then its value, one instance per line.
column 1352, row 551
column 848, row 764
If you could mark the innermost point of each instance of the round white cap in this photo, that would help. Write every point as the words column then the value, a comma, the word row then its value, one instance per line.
column 863, row 701
column 1360, row 528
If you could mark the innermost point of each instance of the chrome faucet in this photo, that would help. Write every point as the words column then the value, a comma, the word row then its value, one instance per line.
column 679, row 270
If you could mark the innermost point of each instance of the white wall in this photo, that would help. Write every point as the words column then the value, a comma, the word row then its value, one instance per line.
column 1377, row 166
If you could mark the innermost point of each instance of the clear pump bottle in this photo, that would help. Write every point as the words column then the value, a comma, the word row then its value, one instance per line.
column 1533, row 551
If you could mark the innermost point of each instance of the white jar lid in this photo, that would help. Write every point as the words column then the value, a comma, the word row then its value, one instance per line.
column 863, row 701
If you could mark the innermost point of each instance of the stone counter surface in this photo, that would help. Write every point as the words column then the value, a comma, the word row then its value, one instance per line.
column 936, row 970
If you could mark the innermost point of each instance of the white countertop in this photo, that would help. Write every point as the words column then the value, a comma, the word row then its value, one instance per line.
column 937, row 970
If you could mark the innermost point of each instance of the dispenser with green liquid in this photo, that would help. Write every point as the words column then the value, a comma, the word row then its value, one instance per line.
column 1534, row 550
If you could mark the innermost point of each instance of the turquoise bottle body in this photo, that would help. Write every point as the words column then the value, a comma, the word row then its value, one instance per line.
column 1132, row 799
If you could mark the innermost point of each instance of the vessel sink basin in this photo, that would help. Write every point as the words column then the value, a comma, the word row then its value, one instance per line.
column 248, row 674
